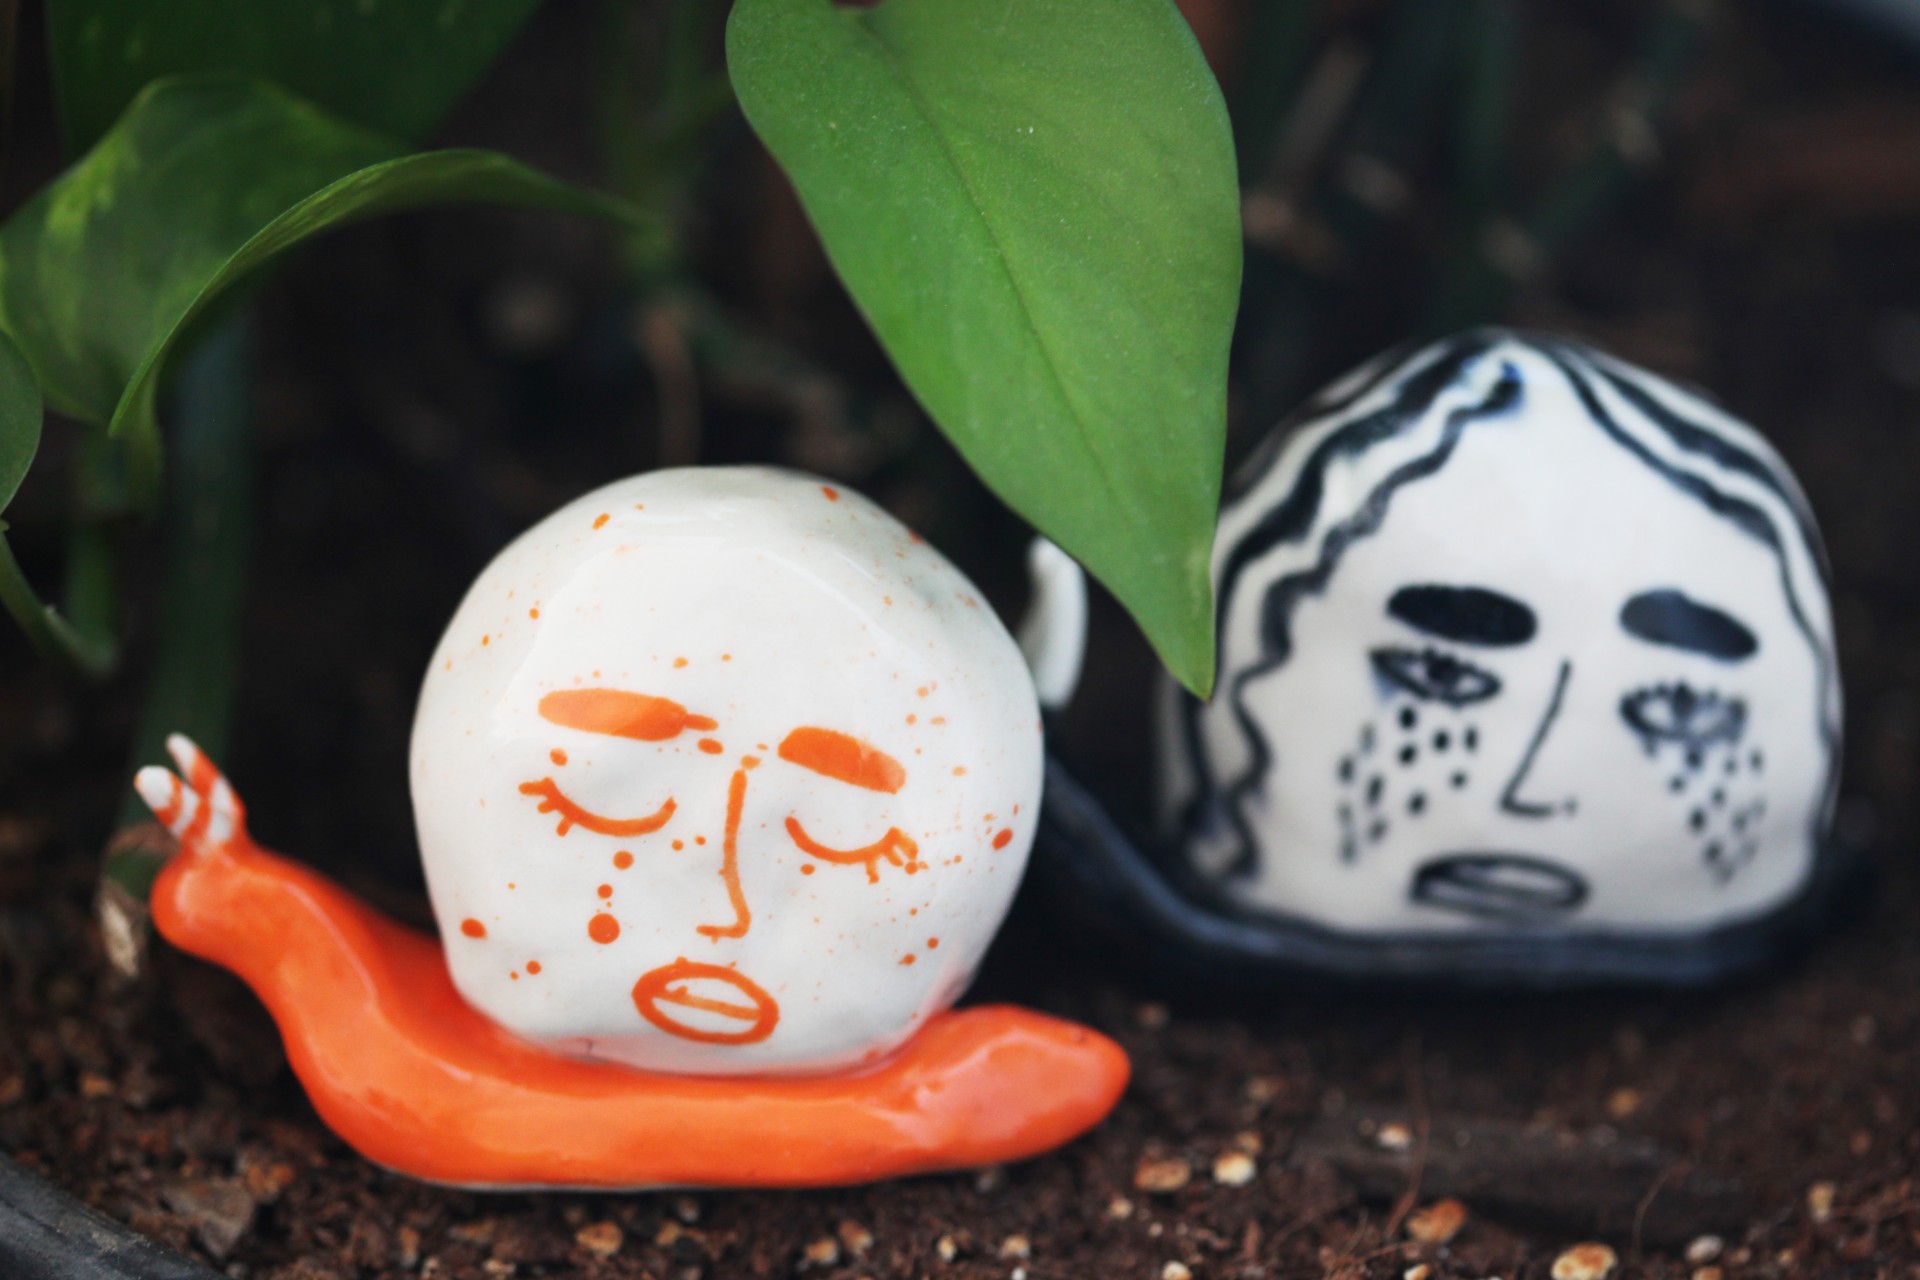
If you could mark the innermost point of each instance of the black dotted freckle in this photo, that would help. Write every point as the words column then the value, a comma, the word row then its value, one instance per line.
column 1733, row 766
column 1570, row 807
column 1442, row 740
column 1756, row 761
column 1409, row 753
column 1346, row 769
column 1693, row 759
column 1408, row 717
column 1417, row 803
column 1715, row 852
column 1374, row 784
column 1349, row 850
column 1470, row 739
column 1377, row 830
column 1719, row 798
column 1459, row 780
column 1697, row 820
column 1740, row 821
column 1366, row 739
column 1677, row 783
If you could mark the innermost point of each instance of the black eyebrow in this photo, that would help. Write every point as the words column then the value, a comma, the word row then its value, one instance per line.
column 1669, row 617
column 1470, row 615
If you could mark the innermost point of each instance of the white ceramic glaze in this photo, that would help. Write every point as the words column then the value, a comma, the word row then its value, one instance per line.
column 1513, row 637
column 760, row 676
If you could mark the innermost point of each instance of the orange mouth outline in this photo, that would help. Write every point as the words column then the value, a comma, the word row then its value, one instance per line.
column 890, row 846
column 554, row 800
column 654, row 989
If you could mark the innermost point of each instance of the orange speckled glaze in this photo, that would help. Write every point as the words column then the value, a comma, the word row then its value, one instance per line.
column 415, row 1079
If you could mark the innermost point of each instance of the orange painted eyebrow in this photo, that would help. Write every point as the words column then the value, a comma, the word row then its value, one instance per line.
column 621, row 714
column 843, row 757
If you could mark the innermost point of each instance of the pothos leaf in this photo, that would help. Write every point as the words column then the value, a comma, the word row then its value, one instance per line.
column 1034, row 205
column 20, row 414
column 201, row 182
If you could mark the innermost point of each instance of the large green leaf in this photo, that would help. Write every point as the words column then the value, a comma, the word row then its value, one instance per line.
column 1034, row 205
column 391, row 65
column 20, row 414
column 202, row 181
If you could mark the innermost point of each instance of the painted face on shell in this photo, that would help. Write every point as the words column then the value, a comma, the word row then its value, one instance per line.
column 722, row 771
column 1544, row 682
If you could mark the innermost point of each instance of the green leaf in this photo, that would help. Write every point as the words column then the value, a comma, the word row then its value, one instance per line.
column 20, row 414
column 200, row 183
column 1034, row 205
column 391, row 65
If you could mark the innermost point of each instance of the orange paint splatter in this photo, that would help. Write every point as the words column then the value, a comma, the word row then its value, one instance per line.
column 473, row 928
column 806, row 869
column 621, row 714
column 922, row 691
column 912, row 719
column 605, row 891
column 699, row 839
column 833, row 495
column 515, row 975
column 485, row 641
column 533, row 966
column 730, row 870
column 908, row 958
column 843, row 757
column 1004, row 839
column 749, row 762
column 678, row 663
column 679, row 844
column 603, row 929
column 959, row 771
column 933, row 944
column 623, row 860
column 726, row 657
column 600, row 520
column 711, row 746
column 557, row 756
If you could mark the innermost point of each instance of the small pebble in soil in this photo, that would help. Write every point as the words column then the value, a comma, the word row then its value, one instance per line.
column 1152, row 1016
column 1264, row 1089
column 990, row 1179
column 1820, row 1201
column 854, row 1237
column 1589, row 1261
column 1119, row 1208
column 1708, row 1273
column 1623, row 1102
column 1394, row 1137
column 1418, row 1271
column 1437, row 1223
column 1162, row 1176
column 823, row 1252
column 1016, row 1246
column 407, row 1247
column 1234, row 1169
column 687, row 1209
column 1861, row 1142
column 601, row 1239
column 1176, row 1271
column 1704, row 1249
column 946, row 1249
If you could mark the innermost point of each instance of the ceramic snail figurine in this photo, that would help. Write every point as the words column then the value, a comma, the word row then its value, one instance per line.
column 1526, row 676
column 723, row 781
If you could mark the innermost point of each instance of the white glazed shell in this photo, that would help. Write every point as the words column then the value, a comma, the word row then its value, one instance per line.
column 750, row 603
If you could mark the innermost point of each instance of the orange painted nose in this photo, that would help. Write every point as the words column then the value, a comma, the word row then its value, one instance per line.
column 730, row 865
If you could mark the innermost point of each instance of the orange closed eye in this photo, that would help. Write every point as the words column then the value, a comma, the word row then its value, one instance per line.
column 572, row 815
column 844, row 758
column 890, row 846
column 621, row 714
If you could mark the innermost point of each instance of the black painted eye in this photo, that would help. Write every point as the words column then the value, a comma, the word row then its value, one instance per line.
column 1680, row 713
column 1435, row 676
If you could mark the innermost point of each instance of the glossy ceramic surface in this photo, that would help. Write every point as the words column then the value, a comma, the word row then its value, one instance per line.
column 414, row 1078
column 722, row 771
column 1516, row 641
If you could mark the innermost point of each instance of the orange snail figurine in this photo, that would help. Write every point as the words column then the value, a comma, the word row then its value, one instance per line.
column 701, row 1029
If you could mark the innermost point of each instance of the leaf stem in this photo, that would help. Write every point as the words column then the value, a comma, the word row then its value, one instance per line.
column 52, row 636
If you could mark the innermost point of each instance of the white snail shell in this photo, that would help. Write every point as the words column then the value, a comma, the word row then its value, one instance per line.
column 722, row 770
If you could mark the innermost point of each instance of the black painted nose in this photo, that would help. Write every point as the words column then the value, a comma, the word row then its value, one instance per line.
column 1509, row 887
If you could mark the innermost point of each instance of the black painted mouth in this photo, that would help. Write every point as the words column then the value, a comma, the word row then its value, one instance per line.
column 1509, row 887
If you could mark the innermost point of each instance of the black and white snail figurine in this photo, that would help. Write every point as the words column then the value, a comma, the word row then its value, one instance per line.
column 1526, row 675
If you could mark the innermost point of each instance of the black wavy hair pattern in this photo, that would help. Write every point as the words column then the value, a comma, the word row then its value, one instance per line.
column 1418, row 379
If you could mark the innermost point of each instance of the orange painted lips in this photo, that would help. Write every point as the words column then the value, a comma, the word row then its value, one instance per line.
column 703, row 1002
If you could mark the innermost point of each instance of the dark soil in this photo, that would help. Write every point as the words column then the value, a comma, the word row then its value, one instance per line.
column 432, row 384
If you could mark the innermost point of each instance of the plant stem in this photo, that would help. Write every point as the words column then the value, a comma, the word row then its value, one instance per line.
column 52, row 636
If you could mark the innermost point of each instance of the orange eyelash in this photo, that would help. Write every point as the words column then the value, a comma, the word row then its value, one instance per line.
column 890, row 846
column 572, row 815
